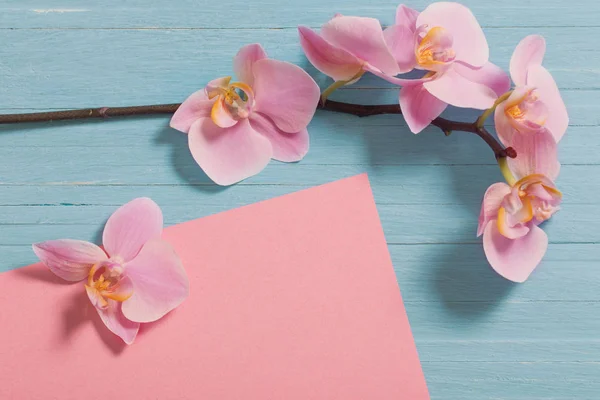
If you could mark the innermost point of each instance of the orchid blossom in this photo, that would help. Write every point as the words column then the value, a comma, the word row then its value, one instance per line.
column 235, row 128
column 446, row 41
column 535, row 104
column 347, row 47
column 513, row 242
column 135, row 278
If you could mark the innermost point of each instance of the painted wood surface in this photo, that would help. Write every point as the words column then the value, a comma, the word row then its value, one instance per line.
column 479, row 336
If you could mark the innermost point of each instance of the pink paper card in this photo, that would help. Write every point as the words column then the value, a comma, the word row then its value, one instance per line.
column 292, row 298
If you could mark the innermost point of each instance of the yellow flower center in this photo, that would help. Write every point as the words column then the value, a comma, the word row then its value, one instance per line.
column 435, row 49
column 104, row 282
column 234, row 99
column 515, row 112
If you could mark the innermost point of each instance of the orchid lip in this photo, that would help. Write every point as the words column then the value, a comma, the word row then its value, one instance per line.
column 525, row 112
column 433, row 48
column 104, row 281
column 234, row 101
column 534, row 199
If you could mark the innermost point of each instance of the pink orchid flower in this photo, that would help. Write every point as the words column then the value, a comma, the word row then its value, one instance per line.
column 347, row 47
column 513, row 242
column 446, row 41
column 235, row 128
column 535, row 104
column 136, row 278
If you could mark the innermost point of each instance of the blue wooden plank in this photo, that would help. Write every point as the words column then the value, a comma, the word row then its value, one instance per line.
column 415, row 184
column 406, row 224
column 393, row 185
column 233, row 14
column 349, row 141
column 515, row 381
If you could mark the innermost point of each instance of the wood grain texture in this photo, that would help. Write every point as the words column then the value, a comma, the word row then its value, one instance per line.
column 479, row 336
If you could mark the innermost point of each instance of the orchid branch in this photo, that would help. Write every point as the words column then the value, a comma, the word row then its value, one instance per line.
column 446, row 125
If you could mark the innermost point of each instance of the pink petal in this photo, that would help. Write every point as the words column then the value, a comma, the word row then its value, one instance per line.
column 213, row 88
column 69, row 259
column 504, row 128
column 489, row 75
column 453, row 88
column 196, row 106
column 514, row 259
column 400, row 40
column 115, row 321
column 220, row 115
column 529, row 52
column 558, row 118
column 362, row 37
column 287, row 147
column 159, row 282
column 285, row 93
column 469, row 43
column 245, row 59
column 96, row 298
column 123, row 291
column 228, row 155
column 419, row 107
column 509, row 225
column 330, row 60
column 406, row 16
column 130, row 227
column 492, row 199
column 536, row 154
column 398, row 81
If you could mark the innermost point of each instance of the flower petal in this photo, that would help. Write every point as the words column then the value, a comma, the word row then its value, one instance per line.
column 96, row 298
column 362, row 37
column 69, row 259
column 536, row 154
column 406, row 16
column 131, row 226
column 123, row 291
column 215, row 87
column 492, row 199
column 419, row 107
column 287, row 147
column 530, row 51
column 285, row 93
column 489, row 75
column 220, row 115
column 116, row 322
column 469, row 42
column 509, row 225
column 330, row 60
column 454, row 89
column 399, row 81
column 504, row 128
column 400, row 40
column 558, row 118
column 245, row 59
column 514, row 259
column 196, row 106
column 228, row 155
column 159, row 282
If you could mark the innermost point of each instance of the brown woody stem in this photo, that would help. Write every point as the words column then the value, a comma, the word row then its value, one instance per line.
column 447, row 126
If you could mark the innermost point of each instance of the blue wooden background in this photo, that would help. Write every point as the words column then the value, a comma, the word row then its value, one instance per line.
column 479, row 336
